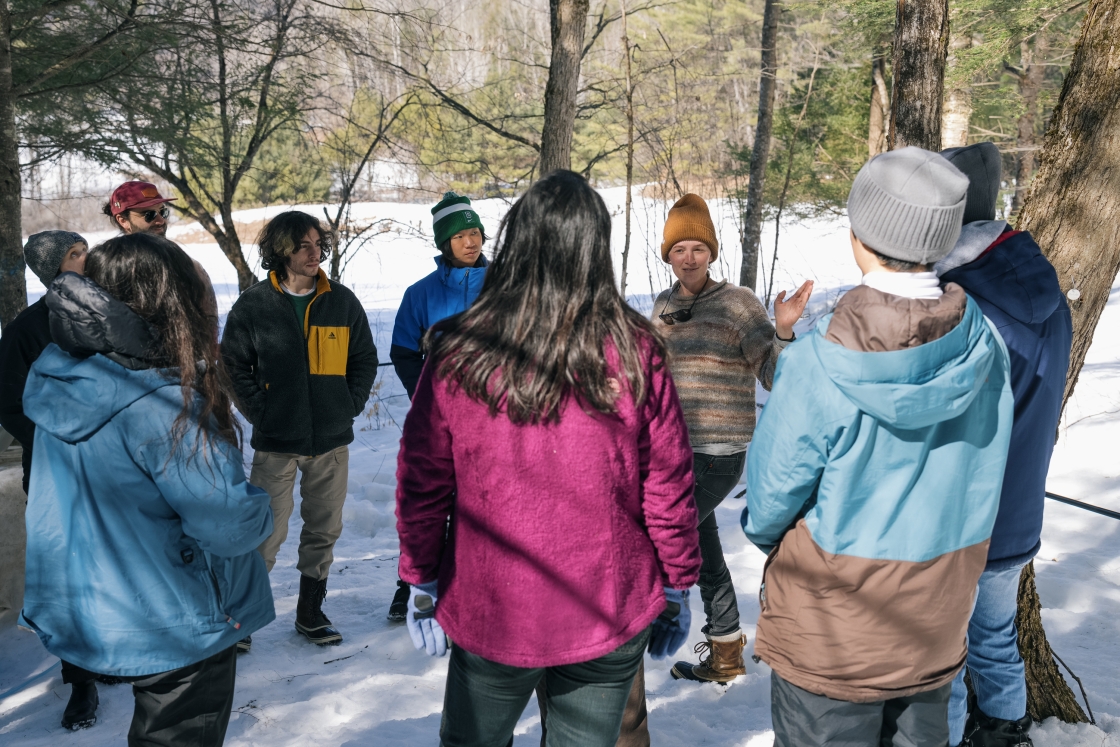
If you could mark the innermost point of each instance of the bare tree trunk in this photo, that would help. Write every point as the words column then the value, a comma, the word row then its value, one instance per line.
column 1032, row 70
column 1071, row 210
column 13, row 287
column 629, row 145
column 1073, row 203
column 760, row 153
column 880, row 109
column 568, row 21
column 921, row 43
column 1048, row 693
column 789, row 173
column 957, row 109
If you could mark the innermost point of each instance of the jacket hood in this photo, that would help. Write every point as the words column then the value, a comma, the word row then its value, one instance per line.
column 919, row 386
column 1015, row 277
column 451, row 274
column 85, row 320
column 72, row 398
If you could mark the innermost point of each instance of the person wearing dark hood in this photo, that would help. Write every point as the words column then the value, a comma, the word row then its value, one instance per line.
column 48, row 254
column 449, row 290
column 1016, row 287
column 302, row 361
column 141, row 528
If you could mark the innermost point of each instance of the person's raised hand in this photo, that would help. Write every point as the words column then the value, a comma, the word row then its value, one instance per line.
column 788, row 311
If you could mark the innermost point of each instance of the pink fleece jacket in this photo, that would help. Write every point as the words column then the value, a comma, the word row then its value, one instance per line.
column 562, row 536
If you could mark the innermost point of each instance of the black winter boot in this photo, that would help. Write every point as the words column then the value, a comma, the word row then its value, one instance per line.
column 81, row 711
column 398, row 610
column 310, row 619
column 983, row 731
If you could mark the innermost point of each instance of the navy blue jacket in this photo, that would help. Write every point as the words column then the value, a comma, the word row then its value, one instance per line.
column 446, row 292
column 1017, row 289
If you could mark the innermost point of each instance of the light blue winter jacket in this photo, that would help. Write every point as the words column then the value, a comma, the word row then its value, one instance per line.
column 873, row 481
column 138, row 561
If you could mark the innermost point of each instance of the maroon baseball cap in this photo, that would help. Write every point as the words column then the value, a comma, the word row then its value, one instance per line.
column 134, row 196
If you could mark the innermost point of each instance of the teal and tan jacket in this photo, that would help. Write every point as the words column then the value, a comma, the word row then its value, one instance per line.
column 300, row 387
column 873, row 481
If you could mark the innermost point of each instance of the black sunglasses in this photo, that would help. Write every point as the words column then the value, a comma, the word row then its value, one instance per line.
column 150, row 215
column 680, row 315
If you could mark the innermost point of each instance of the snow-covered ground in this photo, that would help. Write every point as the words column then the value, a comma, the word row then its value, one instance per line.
column 375, row 689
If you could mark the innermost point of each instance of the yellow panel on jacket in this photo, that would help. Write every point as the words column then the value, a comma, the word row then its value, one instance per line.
column 327, row 350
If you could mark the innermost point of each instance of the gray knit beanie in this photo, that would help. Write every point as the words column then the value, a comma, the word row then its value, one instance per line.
column 907, row 204
column 980, row 162
column 44, row 252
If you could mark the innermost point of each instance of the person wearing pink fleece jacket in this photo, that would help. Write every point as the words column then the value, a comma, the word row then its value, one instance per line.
column 546, row 428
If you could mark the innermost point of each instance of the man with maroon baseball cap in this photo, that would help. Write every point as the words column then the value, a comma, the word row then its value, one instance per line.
column 138, row 207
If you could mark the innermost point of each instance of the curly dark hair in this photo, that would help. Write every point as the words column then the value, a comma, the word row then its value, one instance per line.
column 281, row 236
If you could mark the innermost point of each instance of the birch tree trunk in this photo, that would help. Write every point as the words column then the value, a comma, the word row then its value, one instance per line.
column 760, row 152
column 568, row 21
column 1071, row 210
column 921, row 42
column 13, row 287
column 957, row 110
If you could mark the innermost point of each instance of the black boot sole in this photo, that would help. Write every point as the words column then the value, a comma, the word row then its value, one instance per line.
column 320, row 636
column 684, row 670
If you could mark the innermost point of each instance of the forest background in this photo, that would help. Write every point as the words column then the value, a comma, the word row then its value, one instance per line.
column 235, row 103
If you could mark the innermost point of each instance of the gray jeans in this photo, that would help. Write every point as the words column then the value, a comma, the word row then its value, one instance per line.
column 716, row 477
column 584, row 702
column 805, row 719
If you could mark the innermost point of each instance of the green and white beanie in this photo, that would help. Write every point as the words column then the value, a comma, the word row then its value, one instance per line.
column 453, row 214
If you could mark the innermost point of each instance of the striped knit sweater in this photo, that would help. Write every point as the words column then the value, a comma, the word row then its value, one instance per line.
column 715, row 358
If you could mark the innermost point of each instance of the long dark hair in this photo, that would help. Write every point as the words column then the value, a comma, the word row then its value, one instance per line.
column 157, row 280
column 547, row 309
column 281, row 236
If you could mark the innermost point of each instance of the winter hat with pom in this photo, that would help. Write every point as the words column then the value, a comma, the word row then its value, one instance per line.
column 44, row 251
column 907, row 204
column 689, row 220
column 980, row 162
column 453, row 214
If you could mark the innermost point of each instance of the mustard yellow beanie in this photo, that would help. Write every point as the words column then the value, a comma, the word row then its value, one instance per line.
column 689, row 220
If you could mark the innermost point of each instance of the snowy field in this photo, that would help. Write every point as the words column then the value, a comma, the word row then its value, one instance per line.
column 374, row 689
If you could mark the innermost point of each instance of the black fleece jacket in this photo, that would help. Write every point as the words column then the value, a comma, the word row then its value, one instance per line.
column 300, row 388
column 23, row 342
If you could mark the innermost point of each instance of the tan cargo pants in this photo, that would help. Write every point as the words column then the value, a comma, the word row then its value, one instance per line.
column 322, row 486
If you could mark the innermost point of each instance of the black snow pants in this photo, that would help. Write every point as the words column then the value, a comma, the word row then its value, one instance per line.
column 186, row 707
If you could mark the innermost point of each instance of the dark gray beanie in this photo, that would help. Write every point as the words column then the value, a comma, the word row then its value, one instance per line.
column 907, row 204
column 980, row 162
column 44, row 252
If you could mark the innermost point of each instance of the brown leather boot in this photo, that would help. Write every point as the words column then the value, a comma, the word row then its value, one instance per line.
column 724, row 660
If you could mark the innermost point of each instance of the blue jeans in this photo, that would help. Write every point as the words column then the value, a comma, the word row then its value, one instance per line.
column 993, row 655
column 584, row 702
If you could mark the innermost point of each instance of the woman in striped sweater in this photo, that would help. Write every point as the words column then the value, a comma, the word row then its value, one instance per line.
column 720, row 341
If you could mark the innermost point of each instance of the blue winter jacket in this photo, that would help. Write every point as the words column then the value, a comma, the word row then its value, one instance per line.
column 138, row 561
column 1017, row 288
column 874, row 477
column 446, row 292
